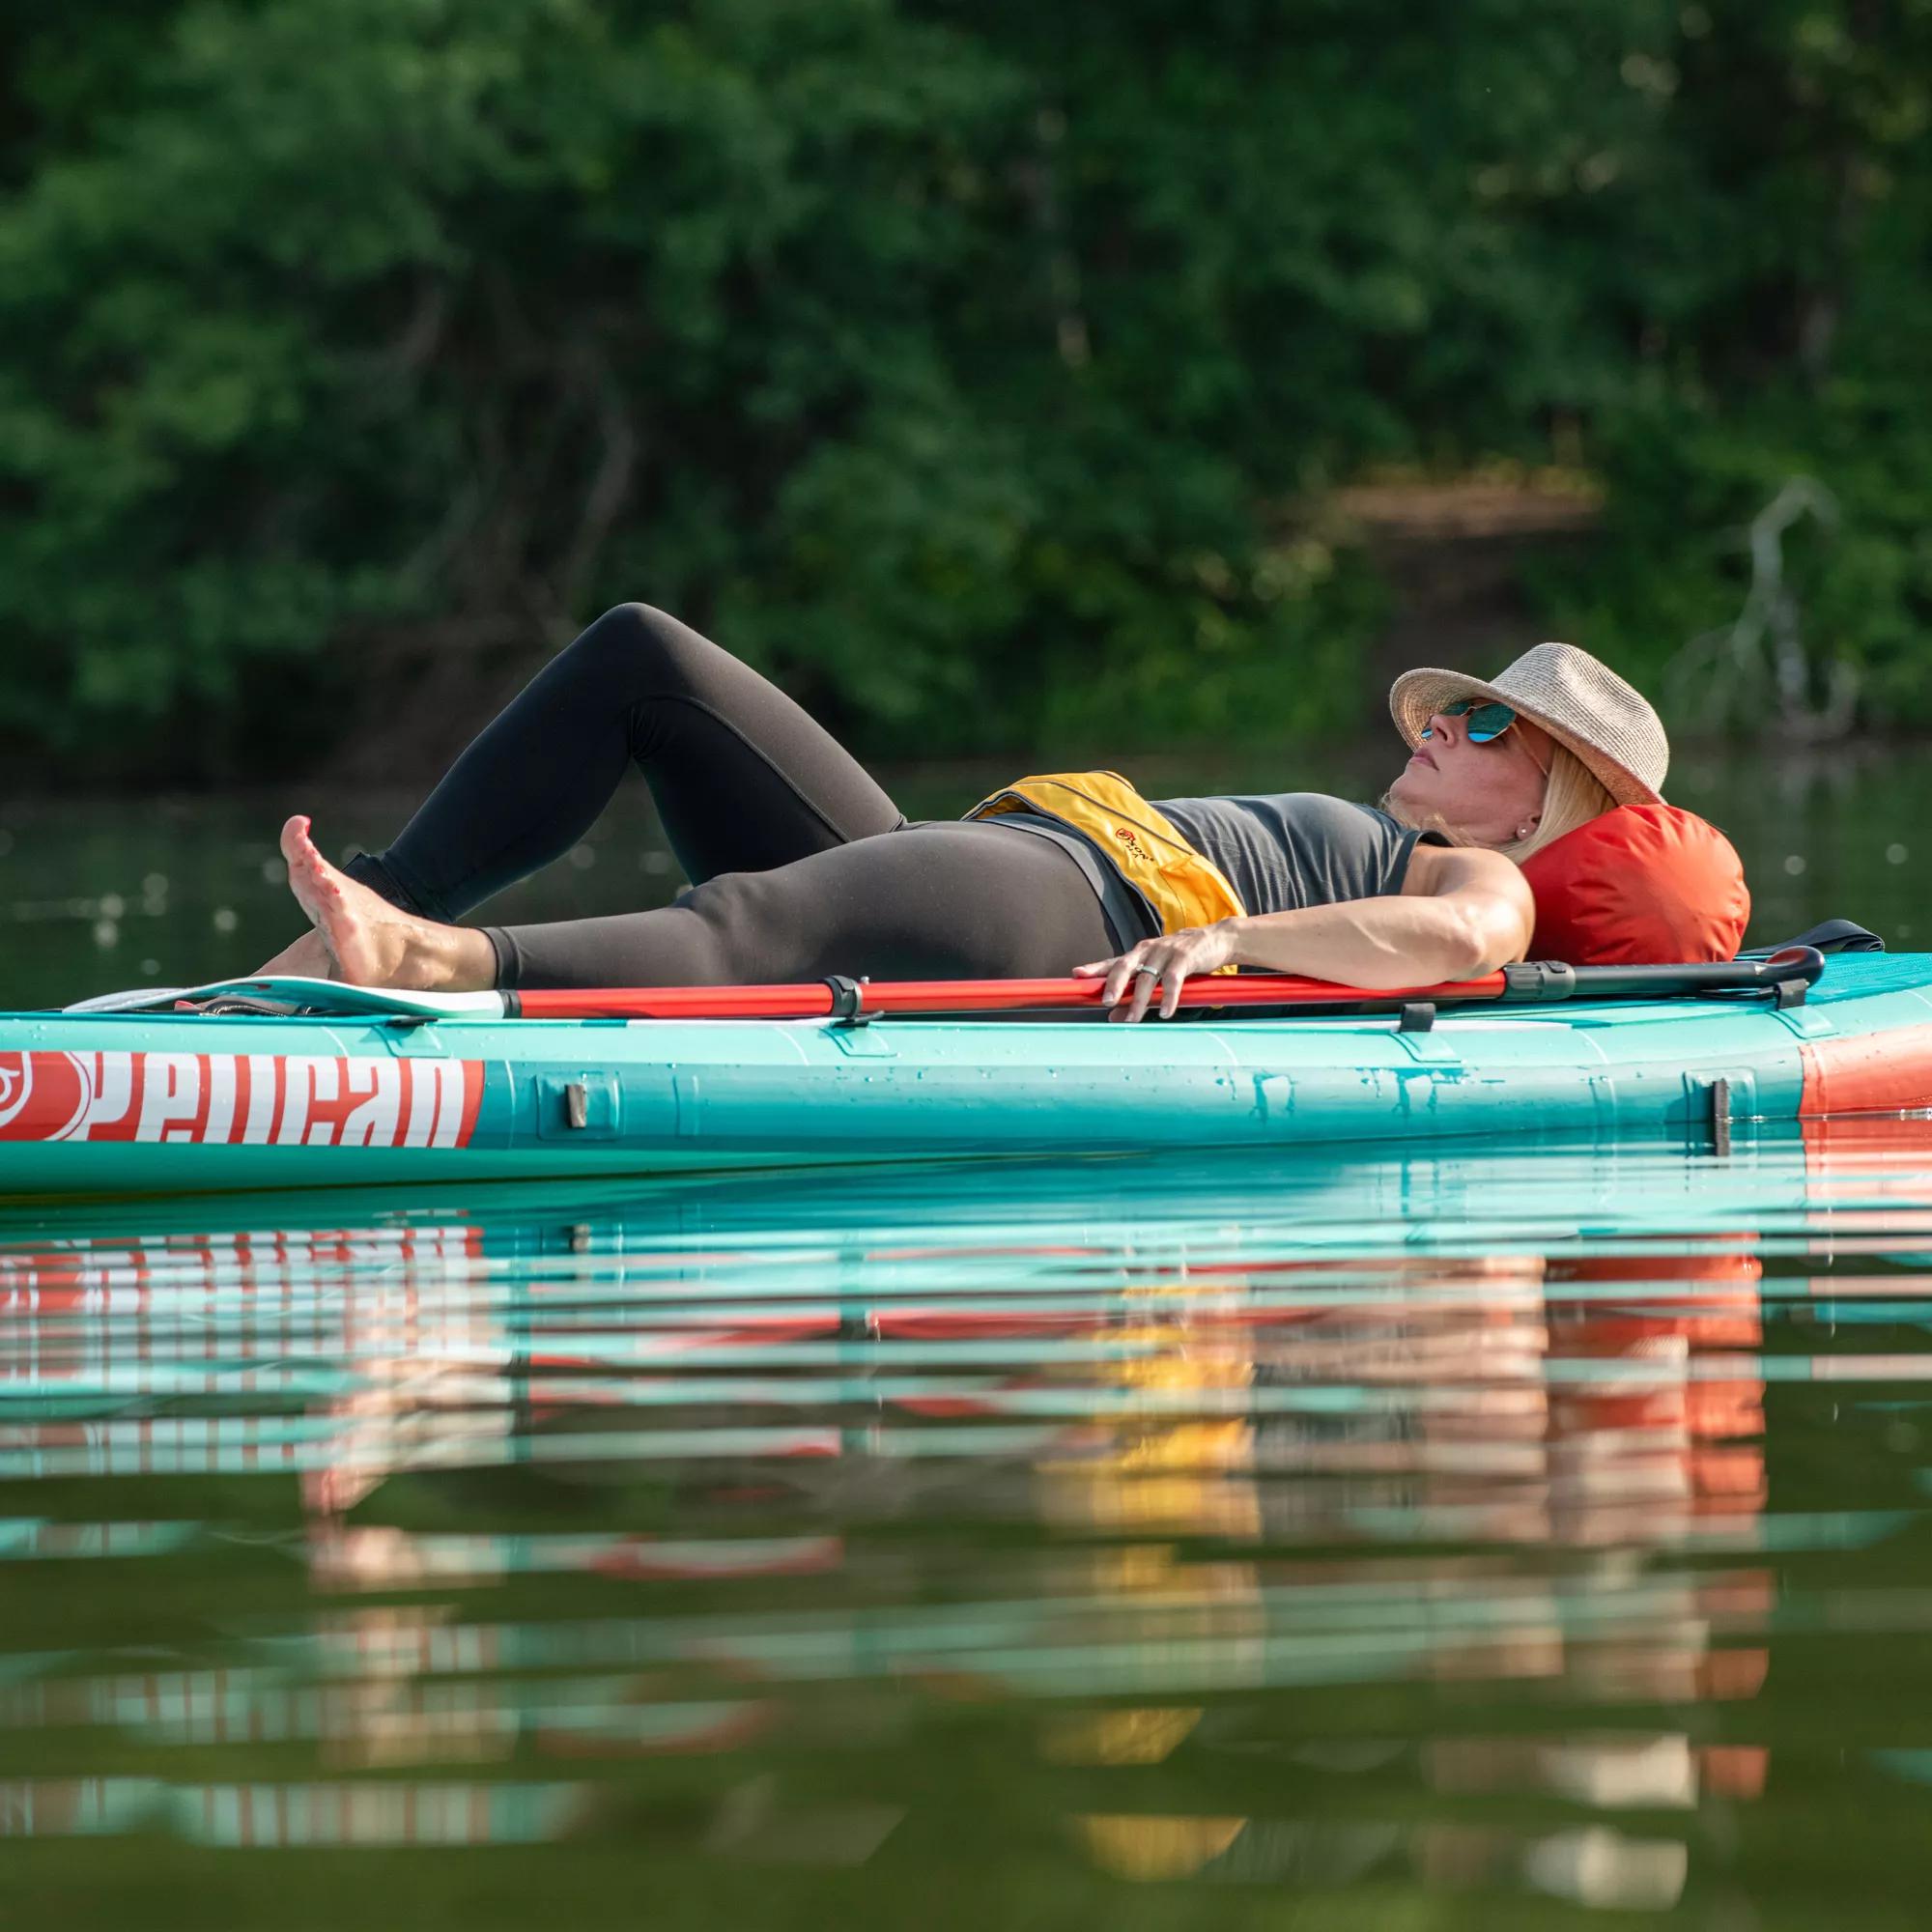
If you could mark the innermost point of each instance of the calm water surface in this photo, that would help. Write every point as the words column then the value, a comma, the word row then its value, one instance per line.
column 1495, row 1535
column 1484, row 1537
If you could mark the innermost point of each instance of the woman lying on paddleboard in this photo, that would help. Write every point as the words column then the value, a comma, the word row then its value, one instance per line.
column 802, row 868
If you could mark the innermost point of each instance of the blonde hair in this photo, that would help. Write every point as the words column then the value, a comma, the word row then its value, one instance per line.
column 1573, row 795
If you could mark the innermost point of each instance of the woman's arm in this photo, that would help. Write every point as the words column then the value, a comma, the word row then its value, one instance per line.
column 1462, row 912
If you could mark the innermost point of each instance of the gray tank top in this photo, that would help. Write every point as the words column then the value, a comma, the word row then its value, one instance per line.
column 1280, row 851
column 1286, row 849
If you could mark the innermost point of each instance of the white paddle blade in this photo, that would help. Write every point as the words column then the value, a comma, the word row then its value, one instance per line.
column 297, row 996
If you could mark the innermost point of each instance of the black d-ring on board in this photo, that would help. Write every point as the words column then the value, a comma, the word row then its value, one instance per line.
column 848, row 1001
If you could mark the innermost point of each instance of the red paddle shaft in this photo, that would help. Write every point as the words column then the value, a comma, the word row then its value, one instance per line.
column 817, row 998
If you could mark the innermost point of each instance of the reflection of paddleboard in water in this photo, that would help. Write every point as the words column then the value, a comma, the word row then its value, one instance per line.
column 328, row 1319
column 1213, row 1549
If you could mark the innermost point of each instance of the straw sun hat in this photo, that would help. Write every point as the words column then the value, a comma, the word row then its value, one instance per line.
column 1583, row 704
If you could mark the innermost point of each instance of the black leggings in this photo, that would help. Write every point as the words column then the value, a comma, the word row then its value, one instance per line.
column 780, row 829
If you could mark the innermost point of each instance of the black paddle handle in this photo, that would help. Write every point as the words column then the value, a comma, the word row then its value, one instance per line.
column 1538, row 979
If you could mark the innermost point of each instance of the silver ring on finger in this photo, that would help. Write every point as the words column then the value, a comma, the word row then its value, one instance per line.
column 1148, row 972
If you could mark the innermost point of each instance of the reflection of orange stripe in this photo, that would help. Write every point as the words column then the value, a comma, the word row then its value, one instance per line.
column 1868, row 1145
column 1614, row 1335
column 1869, row 1074
column 1734, row 1770
column 1664, row 1264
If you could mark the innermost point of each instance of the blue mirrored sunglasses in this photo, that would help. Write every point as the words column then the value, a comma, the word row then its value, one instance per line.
column 1487, row 721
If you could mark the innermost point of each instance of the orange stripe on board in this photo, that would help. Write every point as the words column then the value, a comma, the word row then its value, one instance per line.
column 1872, row 1074
column 237, row 1115
column 473, row 1099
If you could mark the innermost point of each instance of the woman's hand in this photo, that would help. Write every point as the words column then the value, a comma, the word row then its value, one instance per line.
column 1164, row 962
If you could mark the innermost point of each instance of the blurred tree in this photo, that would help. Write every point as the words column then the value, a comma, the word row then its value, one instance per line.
column 1787, row 268
column 984, row 373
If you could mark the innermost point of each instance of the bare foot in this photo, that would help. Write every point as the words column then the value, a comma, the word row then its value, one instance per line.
column 371, row 943
column 307, row 960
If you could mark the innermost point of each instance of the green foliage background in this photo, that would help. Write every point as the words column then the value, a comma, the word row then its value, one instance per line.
column 987, row 369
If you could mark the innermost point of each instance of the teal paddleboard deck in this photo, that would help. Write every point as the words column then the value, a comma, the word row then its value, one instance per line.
column 96, row 1102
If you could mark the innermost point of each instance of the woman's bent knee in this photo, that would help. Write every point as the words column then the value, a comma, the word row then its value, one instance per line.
column 650, row 648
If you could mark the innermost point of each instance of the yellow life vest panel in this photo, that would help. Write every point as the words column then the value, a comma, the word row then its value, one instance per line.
column 1183, row 886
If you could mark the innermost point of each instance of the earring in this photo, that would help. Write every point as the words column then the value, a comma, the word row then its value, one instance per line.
column 1523, row 830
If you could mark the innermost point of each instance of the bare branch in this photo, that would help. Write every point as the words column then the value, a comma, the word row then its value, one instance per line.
column 1760, row 658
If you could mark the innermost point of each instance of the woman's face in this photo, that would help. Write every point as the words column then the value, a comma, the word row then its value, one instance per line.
column 1490, row 793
